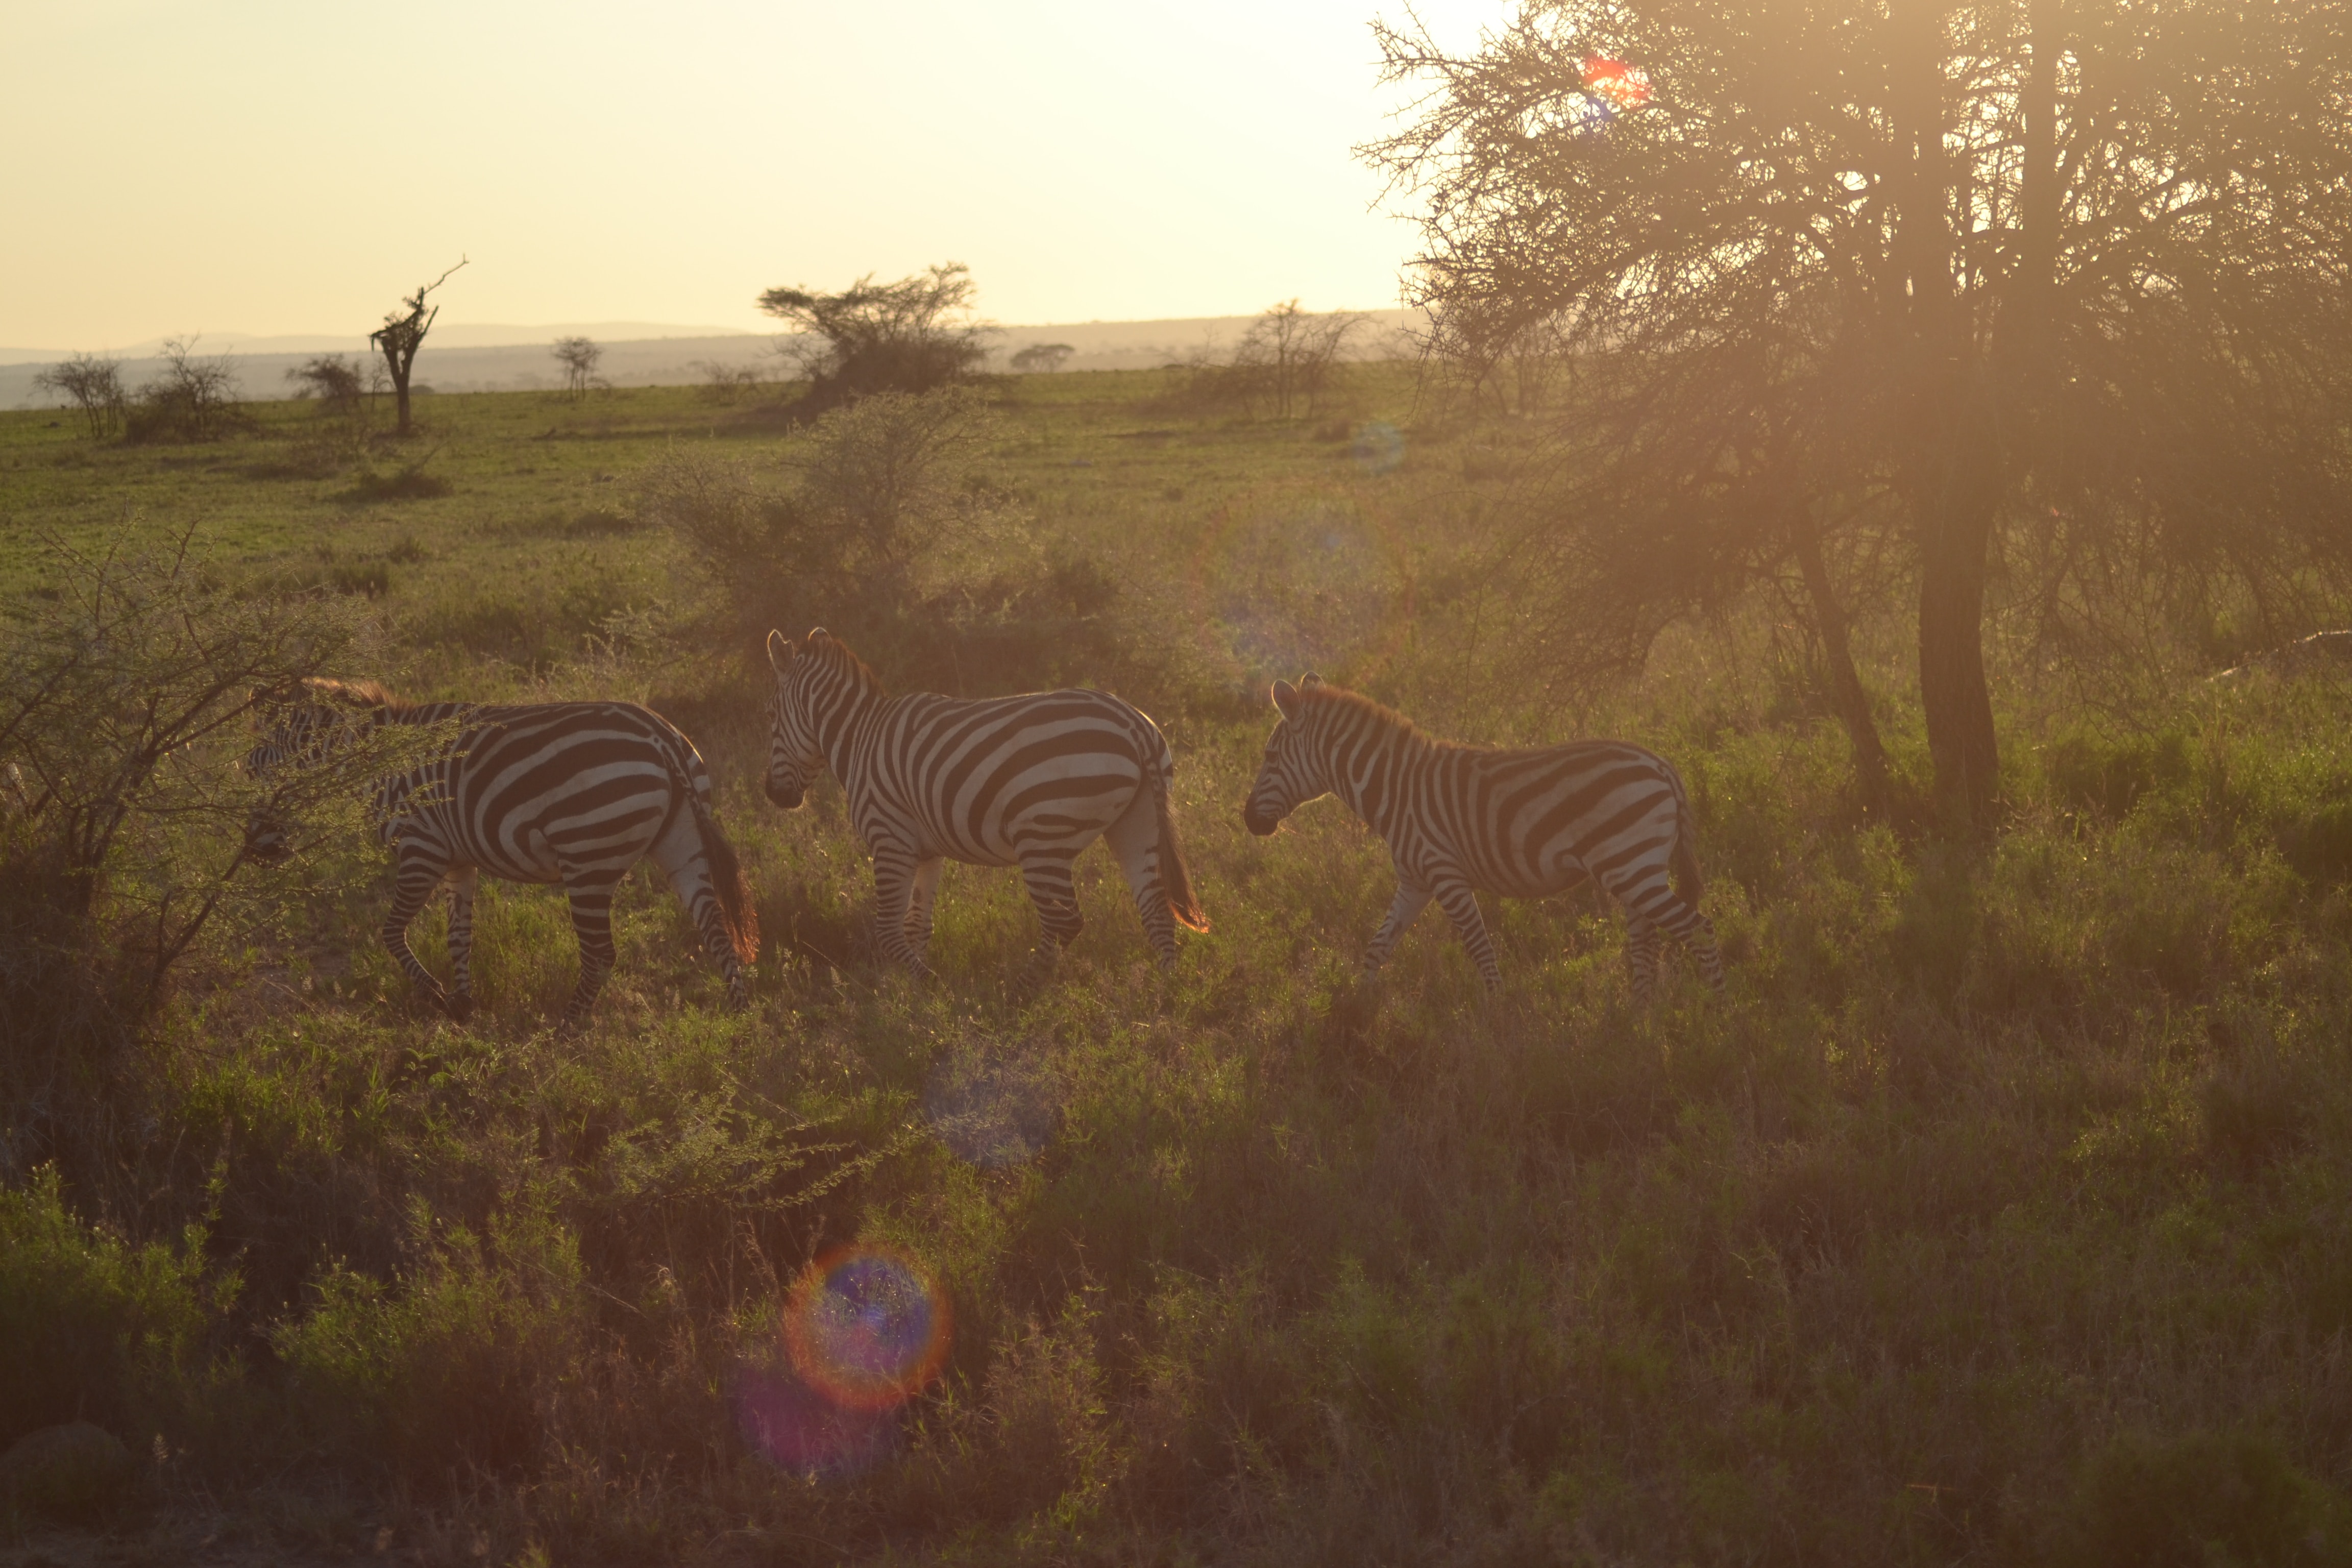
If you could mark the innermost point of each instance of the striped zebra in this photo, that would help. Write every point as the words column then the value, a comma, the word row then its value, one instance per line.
column 1523, row 823
column 575, row 793
column 1014, row 781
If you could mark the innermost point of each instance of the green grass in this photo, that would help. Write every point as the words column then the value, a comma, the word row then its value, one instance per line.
column 2001, row 1211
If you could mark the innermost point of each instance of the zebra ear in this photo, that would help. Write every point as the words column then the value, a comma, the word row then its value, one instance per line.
column 1309, row 678
column 779, row 650
column 817, row 635
column 1285, row 698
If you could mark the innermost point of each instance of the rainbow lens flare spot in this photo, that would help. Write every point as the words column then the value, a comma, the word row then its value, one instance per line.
column 867, row 1327
column 1619, row 88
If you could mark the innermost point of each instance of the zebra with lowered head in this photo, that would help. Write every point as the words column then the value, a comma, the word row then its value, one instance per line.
column 1011, row 781
column 570, row 793
column 1523, row 823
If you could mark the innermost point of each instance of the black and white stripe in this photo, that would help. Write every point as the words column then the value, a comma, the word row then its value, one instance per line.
column 1523, row 823
column 575, row 793
column 1017, row 781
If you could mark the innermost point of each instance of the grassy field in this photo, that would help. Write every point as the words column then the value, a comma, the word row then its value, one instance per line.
column 2001, row 1211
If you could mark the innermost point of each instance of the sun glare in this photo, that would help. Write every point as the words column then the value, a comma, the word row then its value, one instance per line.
column 1623, row 88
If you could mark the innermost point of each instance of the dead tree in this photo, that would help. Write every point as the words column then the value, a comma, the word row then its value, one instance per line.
column 94, row 384
column 402, row 334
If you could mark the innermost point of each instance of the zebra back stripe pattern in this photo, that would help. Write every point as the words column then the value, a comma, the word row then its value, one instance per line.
column 1520, row 822
column 568, row 792
column 1026, row 781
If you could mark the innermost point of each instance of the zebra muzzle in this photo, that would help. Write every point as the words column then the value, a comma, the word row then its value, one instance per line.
column 788, row 799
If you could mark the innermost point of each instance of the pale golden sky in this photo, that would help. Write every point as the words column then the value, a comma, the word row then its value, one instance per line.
column 239, row 166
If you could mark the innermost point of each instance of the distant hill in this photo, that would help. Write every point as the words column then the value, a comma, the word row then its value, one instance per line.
column 468, row 358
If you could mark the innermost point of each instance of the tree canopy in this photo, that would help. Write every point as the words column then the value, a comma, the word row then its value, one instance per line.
column 2056, row 287
column 913, row 335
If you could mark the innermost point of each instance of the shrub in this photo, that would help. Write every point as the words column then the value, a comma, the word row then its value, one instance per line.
column 126, row 689
column 889, row 532
column 2106, row 777
column 449, row 1368
column 2200, row 1499
column 96, row 1328
column 193, row 400
column 93, row 383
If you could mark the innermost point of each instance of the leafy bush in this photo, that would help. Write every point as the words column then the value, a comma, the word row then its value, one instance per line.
column 126, row 693
column 2106, row 776
column 447, row 1371
column 96, row 1328
column 890, row 533
column 2203, row 1499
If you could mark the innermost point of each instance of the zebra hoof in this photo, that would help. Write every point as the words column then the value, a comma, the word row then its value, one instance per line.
column 461, row 1008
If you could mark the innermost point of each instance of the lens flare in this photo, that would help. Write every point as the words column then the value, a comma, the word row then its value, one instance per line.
column 1379, row 447
column 1622, row 87
column 799, row 1429
column 867, row 1328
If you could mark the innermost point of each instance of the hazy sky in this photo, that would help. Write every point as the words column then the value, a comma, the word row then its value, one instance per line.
column 250, row 167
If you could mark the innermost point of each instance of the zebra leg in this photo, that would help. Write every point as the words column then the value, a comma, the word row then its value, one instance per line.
column 415, row 876
column 1651, row 905
column 680, row 853
column 462, row 883
column 1056, row 898
column 895, row 872
column 1460, row 907
column 1134, row 840
column 922, row 892
column 1403, row 910
column 1688, row 926
column 1641, row 956
column 591, row 922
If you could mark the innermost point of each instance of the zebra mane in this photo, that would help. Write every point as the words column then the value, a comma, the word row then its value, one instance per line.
column 1399, row 724
column 845, row 661
column 1356, row 702
column 356, row 694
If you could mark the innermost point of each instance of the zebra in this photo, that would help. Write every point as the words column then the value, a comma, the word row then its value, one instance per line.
column 575, row 793
column 1524, row 824
column 1012, row 781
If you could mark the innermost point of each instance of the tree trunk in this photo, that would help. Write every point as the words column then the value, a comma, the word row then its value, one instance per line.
column 400, row 395
column 1955, row 508
column 1955, row 467
column 1846, row 693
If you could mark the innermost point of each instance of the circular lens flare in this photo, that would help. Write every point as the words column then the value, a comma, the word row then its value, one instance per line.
column 867, row 1327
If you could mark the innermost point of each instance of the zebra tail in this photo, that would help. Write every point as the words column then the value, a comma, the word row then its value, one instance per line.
column 1183, row 902
column 736, row 912
column 1689, row 882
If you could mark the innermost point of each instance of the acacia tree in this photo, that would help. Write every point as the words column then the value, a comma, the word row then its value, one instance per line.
column 334, row 381
column 1042, row 357
column 402, row 334
column 578, row 356
column 910, row 336
column 2059, row 279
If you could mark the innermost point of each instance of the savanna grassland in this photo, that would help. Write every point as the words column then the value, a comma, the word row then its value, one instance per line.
column 2000, row 1211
